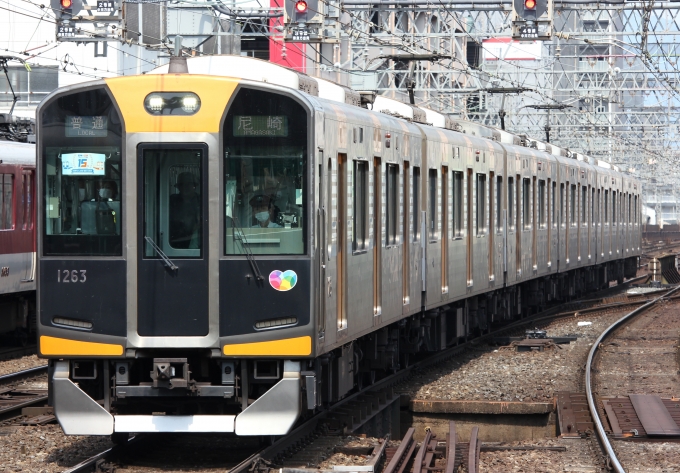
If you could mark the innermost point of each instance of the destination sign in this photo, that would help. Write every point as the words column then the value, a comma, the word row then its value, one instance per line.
column 260, row 125
column 78, row 164
column 86, row 127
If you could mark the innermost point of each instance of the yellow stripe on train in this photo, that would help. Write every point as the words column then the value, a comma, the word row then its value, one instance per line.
column 300, row 346
column 65, row 347
column 130, row 92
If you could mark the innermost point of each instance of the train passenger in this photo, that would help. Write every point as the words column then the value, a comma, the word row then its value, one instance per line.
column 107, row 190
column 185, row 213
column 263, row 210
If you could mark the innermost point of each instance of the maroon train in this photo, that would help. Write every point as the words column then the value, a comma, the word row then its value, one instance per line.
column 17, row 241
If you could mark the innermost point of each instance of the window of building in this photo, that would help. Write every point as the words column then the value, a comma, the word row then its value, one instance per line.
column 457, row 202
column 481, row 204
column 360, row 206
column 392, row 195
column 31, row 87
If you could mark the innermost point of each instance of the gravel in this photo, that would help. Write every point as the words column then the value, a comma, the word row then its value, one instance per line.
column 23, row 363
column 500, row 374
column 579, row 457
column 45, row 449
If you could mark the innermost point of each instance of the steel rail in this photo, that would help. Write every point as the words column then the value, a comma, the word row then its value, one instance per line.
column 5, row 378
column 599, row 428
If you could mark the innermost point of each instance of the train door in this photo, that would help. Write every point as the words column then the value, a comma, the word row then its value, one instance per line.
column 172, row 234
column 323, row 253
column 28, row 178
column 377, row 232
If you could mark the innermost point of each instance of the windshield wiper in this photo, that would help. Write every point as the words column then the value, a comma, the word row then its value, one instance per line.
column 241, row 238
column 166, row 261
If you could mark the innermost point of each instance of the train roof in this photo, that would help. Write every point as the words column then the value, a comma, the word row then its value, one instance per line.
column 12, row 152
column 258, row 70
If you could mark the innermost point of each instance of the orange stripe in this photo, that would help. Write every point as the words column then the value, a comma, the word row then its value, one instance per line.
column 65, row 347
column 300, row 346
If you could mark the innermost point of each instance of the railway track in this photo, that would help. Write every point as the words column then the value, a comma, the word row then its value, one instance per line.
column 377, row 406
column 14, row 398
column 594, row 401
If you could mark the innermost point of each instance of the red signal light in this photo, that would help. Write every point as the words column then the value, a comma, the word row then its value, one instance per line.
column 66, row 3
column 529, row 4
column 301, row 6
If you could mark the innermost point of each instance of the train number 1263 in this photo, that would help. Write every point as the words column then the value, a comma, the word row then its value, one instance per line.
column 74, row 275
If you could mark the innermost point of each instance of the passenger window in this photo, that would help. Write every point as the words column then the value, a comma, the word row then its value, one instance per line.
column 359, row 205
column 552, row 205
column 541, row 203
column 584, row 204
column 481, row 204
column 457, row 202
column 173, row 210
column 433, row 204
column 592, row 206
column 265, row 182
column 6, row 201
column 614, row 214
column 572, row 205
column 526, row 209
column 511, row 203
column 606, row 205
column 416, row 204
column 563, row 214
column 499, row 204
column 391, row 193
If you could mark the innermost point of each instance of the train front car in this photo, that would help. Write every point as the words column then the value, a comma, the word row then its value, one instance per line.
column 174, row 255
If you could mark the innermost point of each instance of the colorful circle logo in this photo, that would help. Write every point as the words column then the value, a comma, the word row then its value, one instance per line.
column 283, row 280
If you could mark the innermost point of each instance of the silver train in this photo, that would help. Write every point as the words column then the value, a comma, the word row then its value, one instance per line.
column 234, row 253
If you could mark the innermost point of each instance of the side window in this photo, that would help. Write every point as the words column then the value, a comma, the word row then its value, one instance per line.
column 6, row 201
column 563, row 214
column 552, row 204
column 584, row 204
column 526, row 209
column 541, row 203
column 359, row 206
column 391, row 194
column 606, row 205
column 511, row 203
column 432, row 180
column 592, row 206
column 416, row 204
column 499, row 204
column 457, row 202
column 614, row 215
column 481, row 204
column 572, row 205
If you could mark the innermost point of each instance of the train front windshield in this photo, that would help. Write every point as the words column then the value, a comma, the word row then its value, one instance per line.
column 265, row 160
column 81, row 137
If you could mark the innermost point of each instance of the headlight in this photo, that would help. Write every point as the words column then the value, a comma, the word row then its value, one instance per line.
column 172, row 103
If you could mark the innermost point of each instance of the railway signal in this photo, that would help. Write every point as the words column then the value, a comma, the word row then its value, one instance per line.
column 303, row 20
column 66, row 9
column 532, row 19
